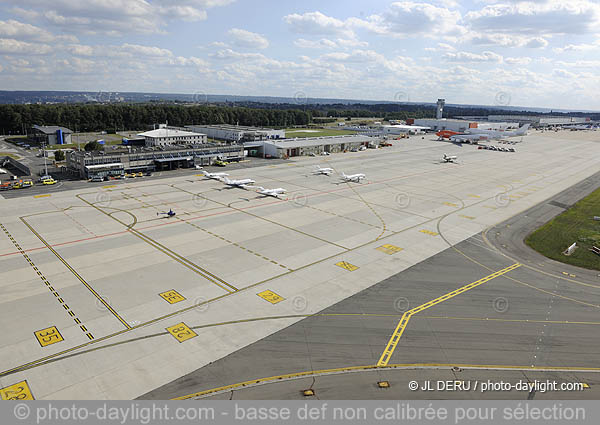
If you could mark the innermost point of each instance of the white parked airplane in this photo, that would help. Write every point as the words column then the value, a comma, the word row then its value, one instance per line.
column 469, row 138
column 271, row 192
column 325, row 171
column 353, row 177
column 216, row 176
column 449, row 158
column 495, row 134
column 3, row 171
column 238, row 183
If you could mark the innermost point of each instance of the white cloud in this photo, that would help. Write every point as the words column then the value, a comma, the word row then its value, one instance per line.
column 137, row 49
column 243, row 38
column 584, row 47
column 473, row 57
column 523, row 61
column 316, row 23
column 561, row 73
column 408, row 18
column 504, row 40
column 22, row 31
column 542, row 17
column 325, row 43
column 9, row 45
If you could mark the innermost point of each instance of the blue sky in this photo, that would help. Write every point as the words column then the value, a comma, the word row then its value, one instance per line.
column 530, row 53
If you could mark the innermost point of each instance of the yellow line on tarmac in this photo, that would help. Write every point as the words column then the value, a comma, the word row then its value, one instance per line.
column 87, row 285
column 368, row 368
column 393, row 342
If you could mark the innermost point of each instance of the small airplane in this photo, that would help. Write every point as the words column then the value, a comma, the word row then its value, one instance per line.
column 449, row 158
column 170, row 213
column 324, row 171
column 353, row 177
column 238, row 183
column 215, row 176
column 271, row 192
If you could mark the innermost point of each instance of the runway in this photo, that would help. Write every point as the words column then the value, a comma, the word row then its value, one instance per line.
column 235, row 280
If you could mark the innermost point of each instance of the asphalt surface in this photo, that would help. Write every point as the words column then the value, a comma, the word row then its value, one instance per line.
column 536, row 322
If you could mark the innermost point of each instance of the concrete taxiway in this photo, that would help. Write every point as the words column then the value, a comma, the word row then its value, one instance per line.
column 114, row 301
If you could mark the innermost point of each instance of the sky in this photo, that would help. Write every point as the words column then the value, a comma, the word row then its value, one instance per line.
column 543, row 53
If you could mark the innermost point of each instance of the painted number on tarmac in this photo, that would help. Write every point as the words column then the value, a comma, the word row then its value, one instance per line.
column 270, row 296
column 172, row 296
column 429, row 232
column 389, row 249
column 18, row 391
column 347, row 266
column 48, row 336
column 181, row 332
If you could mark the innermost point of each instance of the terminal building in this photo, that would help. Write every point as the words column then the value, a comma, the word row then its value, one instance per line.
column 460, row 125
column 90, row 164
column 312, row 146
column 166, row 136
column 51, row 135
column 237, row 133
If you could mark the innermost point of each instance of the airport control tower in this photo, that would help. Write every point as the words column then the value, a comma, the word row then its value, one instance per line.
column 440, row 108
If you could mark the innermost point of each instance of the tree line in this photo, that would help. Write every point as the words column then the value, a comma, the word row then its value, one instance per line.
column 14, row 119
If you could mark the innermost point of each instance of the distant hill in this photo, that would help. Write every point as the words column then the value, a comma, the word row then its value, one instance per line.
column 300, row 100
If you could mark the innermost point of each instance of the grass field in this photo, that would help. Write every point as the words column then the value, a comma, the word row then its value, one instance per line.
column 574, row 225
column 318, row 132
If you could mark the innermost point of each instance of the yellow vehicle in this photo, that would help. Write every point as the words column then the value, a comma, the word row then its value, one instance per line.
column 18, row 185
column 140, row 174
column 27, row 183
column 49, row 181
column 130, row 175
column 220, row 163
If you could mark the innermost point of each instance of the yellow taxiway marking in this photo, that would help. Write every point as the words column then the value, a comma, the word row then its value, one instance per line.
column 19, row 391
column 48, row 336
column 181, row 332
column 110, row 186
column 270, row 296
column 389, row 249
column 367, row 368
column 41, row 196
column 172, row 296
column 393, row 342
column 78, row 276
column 347, row 266
column 428, row 232
column 467, row 216
column 48, row 285
column 450, row 204
column 473, row 195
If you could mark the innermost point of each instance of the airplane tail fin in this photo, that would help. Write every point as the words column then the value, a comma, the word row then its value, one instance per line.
column 523, row 130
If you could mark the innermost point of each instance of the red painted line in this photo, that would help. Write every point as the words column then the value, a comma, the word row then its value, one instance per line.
column 211, row 215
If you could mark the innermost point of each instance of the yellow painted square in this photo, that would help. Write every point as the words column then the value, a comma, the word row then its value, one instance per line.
column 48, row 336
column 270, row 296
column 347, row 266
column 172, row 296
column 181, row 332
column 389, row 249
column 18, row 391
column 429, row 232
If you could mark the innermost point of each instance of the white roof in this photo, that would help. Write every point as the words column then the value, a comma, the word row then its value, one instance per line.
column 407, row 127
column 167, row 132
column 114, row 165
